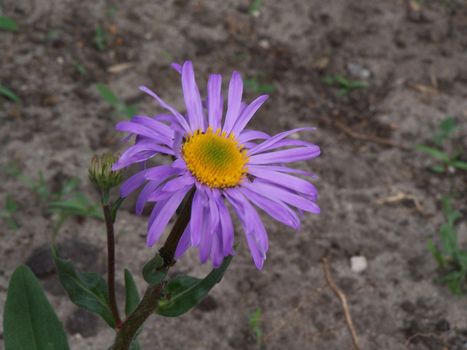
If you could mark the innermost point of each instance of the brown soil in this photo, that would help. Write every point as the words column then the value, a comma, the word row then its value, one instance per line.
column 414, row 60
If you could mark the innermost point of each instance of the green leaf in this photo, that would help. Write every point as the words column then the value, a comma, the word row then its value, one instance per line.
column 455, row 281
column 30, row 323
column 100, row 38
column 154, row 271
column 254, row 6
column 445, row 129
column 8, row 24
column 107, row 94
column 435, row 153
column 186, row 292
column 448, row 240
column 450, row 214
column 131, row 293
column 437, row 254
column 69, row 186
column 8, row 93
column 459, row 164
column 87, row 290
column 135, row 345
column 11, row 205
column 255, row 324
column 439, row 169
column 79, row 205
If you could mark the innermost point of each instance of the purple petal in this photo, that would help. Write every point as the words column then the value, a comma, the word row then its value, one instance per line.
column 248, row 113
column 161, row 173
column 276, row 209
column 192, row 97
column 286, row 156
column 252, row 225
column 217, row 255
column 226, row 226
column 139, row 152
column 144, row 195
column 271, row 141
column 132, row 183
column 283, row 169
column 138, row 129
column 154, row 125
column 248, row 135
column 184, row 243
column 180, row 119
column 165, row 211
column 284, row 180
column 177, row 67
column 280, row 194
column 215, row 101
column 196, row 221
column 234, row 102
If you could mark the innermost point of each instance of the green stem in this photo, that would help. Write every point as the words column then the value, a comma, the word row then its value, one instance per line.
column 109, row 223
column 127, row 332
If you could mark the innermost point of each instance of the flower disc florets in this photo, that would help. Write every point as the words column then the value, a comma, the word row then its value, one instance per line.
column 215, row 159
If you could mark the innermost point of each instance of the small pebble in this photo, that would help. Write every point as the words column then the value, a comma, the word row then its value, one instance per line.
column 358, row 71
column 358, row 264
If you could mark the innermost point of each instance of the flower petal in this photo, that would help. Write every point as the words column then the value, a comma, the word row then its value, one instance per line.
column 215, row 102
column 165, row 210
column 252, row 225
column 184, row 243
column 132, row 183
column 285, row 180
column 281, row 194
column 192, row 97
column 286, row 156
column 234, row 102
column 180, row 119
column 248, row 113
column 248, row 135
column 226, row 227
column 276, row 138
column 276, row 209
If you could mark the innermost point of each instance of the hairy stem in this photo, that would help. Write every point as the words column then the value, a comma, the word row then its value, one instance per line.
column 109, row 223
column 127, row 332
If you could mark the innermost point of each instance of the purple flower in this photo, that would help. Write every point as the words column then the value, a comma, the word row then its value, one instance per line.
column 223, row 162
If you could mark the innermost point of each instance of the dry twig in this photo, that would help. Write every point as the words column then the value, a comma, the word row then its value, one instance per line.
column 423, row 335
column 343, row 300
column 364, row 137
column 401, row 196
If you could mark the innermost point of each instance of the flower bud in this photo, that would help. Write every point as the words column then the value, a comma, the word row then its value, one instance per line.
column 101, row 173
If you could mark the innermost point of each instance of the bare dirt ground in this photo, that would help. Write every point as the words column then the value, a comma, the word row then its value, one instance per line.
column 415, row 65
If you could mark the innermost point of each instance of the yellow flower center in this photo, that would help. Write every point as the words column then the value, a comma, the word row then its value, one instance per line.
column 215, row 159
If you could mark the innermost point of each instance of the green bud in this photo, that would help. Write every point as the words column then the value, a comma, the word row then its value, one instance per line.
column 101, row 173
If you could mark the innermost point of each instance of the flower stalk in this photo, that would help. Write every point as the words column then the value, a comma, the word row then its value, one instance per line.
column 127, row 331
column 109, row 223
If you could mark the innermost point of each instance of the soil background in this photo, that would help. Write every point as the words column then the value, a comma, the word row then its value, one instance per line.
column 413, row 56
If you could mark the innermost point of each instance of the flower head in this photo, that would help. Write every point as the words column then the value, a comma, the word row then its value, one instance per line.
column 225, row 164
column 101, row 173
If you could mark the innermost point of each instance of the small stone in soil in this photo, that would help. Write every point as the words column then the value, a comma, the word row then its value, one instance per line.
column 358, row 264
column 83, row 323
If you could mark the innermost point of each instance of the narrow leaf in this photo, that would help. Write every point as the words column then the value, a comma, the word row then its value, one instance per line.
column 107, row 94
column 30, row 323
column 154, row 271
column 459, row 164
column 8, row 93
column 437, row 254
column 131, row 293
column 8, row 24
column 188, row 292
column 435, row 153
column 87, row 290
